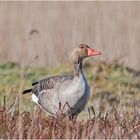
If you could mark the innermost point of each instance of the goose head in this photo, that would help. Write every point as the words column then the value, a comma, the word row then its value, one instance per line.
column 83, row 51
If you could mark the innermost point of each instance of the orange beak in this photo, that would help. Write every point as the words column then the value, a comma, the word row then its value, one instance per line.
column 92, row 52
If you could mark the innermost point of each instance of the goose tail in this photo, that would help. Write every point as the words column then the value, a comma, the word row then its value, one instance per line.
column 27, row 91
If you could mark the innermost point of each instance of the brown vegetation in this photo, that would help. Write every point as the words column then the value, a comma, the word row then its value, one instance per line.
column 36, row 125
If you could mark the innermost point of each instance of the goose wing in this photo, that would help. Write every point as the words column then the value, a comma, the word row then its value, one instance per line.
column 50, row 83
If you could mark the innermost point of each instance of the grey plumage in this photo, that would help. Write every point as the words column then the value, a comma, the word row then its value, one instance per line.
column 50, row 82
column 72, row 90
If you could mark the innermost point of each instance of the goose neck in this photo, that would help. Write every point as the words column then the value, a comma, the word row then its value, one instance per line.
column 77, row 66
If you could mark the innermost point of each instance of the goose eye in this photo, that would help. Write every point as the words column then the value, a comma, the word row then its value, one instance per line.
column 82, row 47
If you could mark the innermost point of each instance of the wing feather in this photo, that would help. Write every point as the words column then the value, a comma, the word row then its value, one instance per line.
column 50, row 83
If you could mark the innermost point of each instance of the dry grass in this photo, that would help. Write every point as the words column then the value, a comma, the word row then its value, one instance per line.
column 117, row 124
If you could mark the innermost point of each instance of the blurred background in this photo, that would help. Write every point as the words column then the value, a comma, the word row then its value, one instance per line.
column 51, row 30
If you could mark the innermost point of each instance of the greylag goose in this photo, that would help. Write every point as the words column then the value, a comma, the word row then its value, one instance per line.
column 70, row 91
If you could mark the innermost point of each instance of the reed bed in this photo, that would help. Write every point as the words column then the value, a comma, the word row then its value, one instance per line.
column 37, row 125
